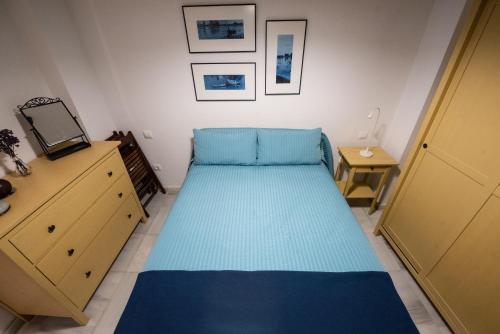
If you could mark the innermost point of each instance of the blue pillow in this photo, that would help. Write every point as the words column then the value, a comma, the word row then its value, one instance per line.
column 289, row 146
column 225, row 146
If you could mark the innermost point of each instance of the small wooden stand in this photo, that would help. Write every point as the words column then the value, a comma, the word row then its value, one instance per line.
column 380, row 162
column 145, row 181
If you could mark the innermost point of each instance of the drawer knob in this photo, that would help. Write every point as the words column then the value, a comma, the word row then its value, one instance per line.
column 88, row 273
column 129, row 215
column 120, row 195
column 71, row 251
column 110, row 173
column 424, row 145
column 51, row 228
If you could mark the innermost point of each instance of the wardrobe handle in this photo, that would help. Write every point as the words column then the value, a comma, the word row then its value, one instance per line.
column 129, row 215
column 88, row 273
column 425, row 145
column 110, row 173
column 71, row 251
column 120, row 195
column 51, row 228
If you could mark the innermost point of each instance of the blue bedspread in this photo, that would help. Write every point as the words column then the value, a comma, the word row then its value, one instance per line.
column 261, row 218
column 264, row 302
column 262, row 249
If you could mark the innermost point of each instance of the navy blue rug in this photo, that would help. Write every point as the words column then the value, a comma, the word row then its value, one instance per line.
column 258, row 302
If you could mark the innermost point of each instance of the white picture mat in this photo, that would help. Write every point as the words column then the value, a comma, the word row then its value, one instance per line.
column 298, row 30
column 203, row 13
column 246, row 69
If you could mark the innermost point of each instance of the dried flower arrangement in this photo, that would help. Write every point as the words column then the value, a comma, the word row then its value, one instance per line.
column 8, row 143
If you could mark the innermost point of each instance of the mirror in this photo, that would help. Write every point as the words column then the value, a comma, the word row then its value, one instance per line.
column 53, row 122
column 55, row 128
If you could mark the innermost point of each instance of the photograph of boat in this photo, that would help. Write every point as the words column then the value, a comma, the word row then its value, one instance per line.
column 224, row 81
column 284, row 59
column 220, row 29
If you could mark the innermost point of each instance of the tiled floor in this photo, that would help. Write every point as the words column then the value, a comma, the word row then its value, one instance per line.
column 109, row 301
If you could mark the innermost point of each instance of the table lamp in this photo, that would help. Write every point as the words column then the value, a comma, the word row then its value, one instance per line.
column 366, row 152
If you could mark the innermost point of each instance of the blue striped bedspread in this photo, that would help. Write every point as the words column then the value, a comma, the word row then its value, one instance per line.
column 249, row 218
column 263, row 250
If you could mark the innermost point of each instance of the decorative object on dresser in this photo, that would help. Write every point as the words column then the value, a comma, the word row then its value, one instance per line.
column 285, row 44
column 56, row 129
column 380, row 162
column 4, row 207
column 220, row 28
column 6, row 189
column 145, row 181
column 8, row 143
column 68, row 222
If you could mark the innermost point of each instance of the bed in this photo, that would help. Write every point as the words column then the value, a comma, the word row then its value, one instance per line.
column 270, row 248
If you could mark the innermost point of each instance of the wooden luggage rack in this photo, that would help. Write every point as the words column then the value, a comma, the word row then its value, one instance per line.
column 144, row 179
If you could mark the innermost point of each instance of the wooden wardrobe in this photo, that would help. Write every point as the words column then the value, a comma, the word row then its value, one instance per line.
column 444, row 217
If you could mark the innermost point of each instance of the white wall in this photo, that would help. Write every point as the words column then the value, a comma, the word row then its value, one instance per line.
column 46, row 58
column 429, row 61
column 56, row 25
column 20, row 80
column 125, row 64
column 358, row 56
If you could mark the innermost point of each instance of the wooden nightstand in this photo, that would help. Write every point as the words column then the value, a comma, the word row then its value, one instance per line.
column 380, row 162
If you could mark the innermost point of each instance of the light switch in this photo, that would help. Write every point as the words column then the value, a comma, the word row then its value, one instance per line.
column 147, row 134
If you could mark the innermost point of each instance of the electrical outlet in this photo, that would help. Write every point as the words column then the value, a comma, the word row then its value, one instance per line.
column 157, row 167
column 147, row 134
column 362, row 134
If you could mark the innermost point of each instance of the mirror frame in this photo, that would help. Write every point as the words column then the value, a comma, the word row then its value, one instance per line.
column 69, row 145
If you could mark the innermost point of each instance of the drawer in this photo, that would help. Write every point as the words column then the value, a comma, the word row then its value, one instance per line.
column 83, row 278
column 50, row 222
column 371, row 169
column 66, row 251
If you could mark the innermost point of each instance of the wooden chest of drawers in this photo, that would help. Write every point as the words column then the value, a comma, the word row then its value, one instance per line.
column 68, row 222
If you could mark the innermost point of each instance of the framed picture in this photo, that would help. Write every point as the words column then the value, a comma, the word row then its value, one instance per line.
column 285, row 42
column 220, row 28
column 224, row 81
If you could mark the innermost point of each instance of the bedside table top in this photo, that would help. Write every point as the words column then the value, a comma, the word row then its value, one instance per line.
column 379, row 158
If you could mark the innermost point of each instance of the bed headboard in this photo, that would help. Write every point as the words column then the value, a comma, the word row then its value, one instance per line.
column 325, row 147
column 326, row 152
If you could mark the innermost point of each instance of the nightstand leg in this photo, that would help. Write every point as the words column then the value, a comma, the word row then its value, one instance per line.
column 340, row 170
column 381, row 183
column 350, row 179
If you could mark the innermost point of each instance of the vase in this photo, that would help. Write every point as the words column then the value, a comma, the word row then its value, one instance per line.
column 22, row 168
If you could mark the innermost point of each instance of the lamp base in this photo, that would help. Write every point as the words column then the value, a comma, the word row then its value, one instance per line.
column 366, row 153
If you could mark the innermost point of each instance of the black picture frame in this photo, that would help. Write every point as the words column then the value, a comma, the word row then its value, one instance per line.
column 226, row 100
column 221, row 5
column 301, row 63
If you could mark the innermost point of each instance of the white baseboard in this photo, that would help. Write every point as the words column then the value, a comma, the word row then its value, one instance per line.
column 14, row 326
column 173, row 190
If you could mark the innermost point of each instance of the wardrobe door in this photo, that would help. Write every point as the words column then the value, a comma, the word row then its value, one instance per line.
column 468, row 276
column 458, row 166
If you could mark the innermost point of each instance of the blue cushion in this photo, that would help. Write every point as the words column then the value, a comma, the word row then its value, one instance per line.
column 225, row 146
column 288, row 146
